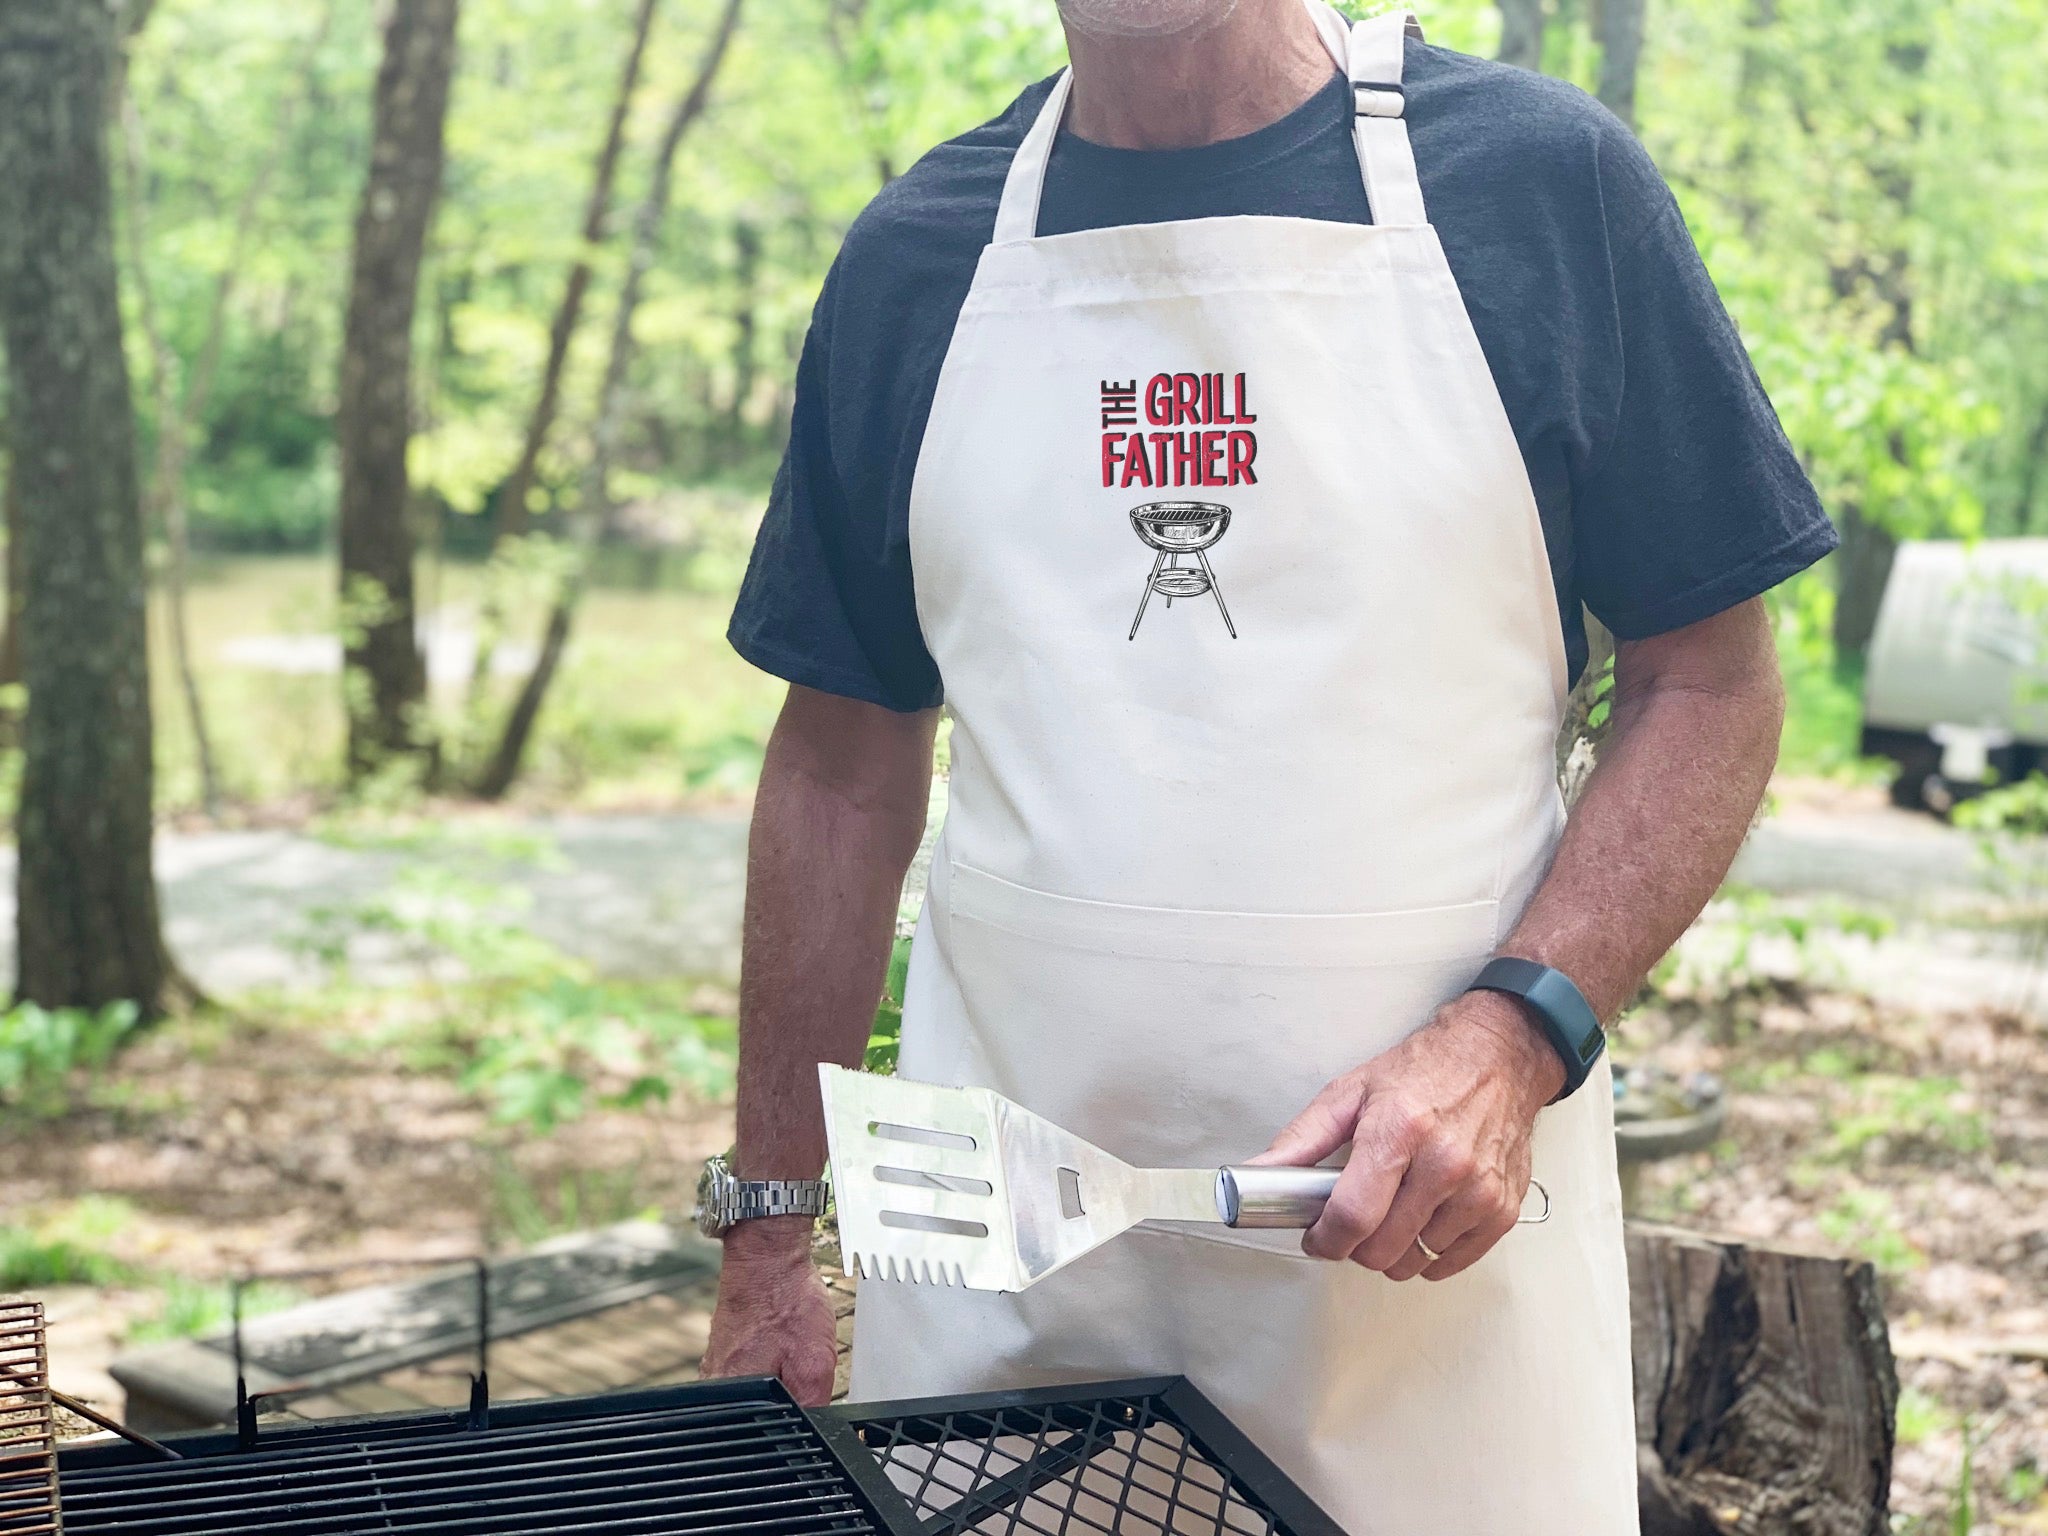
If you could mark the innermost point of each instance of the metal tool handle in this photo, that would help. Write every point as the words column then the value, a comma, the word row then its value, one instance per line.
column 1273, row 1197
column 1295, row 1197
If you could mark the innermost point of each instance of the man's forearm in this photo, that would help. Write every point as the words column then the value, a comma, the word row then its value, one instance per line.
column 837, row 820
column 1694, row 738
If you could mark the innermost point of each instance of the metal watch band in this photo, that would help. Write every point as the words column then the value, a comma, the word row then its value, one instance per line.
column 1567, row 1019
column 754, row 1198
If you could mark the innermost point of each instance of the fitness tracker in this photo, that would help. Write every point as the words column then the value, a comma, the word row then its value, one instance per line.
column 1560, row 1010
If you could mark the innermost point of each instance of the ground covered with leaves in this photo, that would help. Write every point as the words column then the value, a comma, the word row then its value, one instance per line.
column 223, row 1146
column 1919, row 1142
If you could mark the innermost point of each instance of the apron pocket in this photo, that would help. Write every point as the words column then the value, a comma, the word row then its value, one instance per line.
column 1174, row 1037
column 1349, row 940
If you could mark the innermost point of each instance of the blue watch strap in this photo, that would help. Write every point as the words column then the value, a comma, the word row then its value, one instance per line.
column 1561, row 1009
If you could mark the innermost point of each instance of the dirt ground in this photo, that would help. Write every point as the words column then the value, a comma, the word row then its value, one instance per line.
column 1920, row 1142
column 246, row 1149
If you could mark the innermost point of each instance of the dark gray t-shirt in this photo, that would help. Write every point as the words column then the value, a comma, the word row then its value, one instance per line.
column 1667, row 489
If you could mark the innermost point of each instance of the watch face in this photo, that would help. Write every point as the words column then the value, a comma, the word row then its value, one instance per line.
column 712, row 1219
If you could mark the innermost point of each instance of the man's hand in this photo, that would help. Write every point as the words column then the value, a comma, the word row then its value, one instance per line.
column 773, row 1316
column 1439, row 1128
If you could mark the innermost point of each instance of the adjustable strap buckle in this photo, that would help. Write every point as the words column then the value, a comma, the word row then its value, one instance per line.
column 1378, row 98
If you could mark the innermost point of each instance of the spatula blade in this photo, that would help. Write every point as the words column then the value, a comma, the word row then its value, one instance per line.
column 961, row 1186
column 918, row 1182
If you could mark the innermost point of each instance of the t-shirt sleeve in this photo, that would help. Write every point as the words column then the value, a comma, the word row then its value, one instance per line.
column 1697, row 501
column 827, row 601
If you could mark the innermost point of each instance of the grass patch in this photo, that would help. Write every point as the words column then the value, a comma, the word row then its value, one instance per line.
column 1921, row 1417
column 1910, row 1115
column 528, row 1029
column 526, row 1210
column 65, row 1245
column 193, row 1309
column 650, row 697
column 45, row 1051
column 1864, row 1221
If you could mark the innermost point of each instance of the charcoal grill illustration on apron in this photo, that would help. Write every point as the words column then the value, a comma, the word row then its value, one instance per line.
column 1174, row 529
column 1184, row 882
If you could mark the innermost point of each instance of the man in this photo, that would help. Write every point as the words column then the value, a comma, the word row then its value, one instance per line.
column 1229, row 433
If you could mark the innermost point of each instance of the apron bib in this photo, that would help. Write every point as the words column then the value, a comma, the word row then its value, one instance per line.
column 1227, row 554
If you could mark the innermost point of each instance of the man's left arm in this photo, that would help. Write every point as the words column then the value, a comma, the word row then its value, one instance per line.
column 1440, row 1125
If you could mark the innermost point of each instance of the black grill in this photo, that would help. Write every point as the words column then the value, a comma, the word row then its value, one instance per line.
column 1140, row 1458
column 729, row 1458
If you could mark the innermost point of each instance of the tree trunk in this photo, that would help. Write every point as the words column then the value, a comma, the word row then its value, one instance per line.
column 1863, row 565
column 844, row 22
column 87, row 926
column 384, row 683
column 513, row 517
column 1760, row 21
column 10, row 522
column 1765, row 1389
column 1521, row 33
column 512, row 498
column 2031, row 459
column 503, row 767
column 746, row 239
column 1620, row 36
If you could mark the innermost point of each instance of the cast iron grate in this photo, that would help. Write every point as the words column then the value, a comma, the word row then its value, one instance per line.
column 1142, row 1458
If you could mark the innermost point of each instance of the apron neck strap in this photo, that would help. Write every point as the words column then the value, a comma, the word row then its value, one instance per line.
column 1017, row 214
column 1379, row 108
column 1370, row 54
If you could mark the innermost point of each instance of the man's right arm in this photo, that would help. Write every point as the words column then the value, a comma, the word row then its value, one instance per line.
column 837, row 820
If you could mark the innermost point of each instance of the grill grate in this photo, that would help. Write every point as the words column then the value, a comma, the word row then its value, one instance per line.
column 725, row 1458
column 679, row 1466
column 1179, row 512
column 28, row 1428
column 1147, row 1458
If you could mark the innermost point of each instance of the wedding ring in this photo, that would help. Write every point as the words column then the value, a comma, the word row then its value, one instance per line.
column 1428, row 1252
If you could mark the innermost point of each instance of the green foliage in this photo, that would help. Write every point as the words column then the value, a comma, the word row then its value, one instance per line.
column 1864, row 1221
column 1823, row 693
column 885, row 1036
column 525, row 1211
column 730, row 763
column 64, row 1245
column 193, row 1309
column 2011, row 822
column 44, row 1051
column 1962, row 1519
column 1907, row 1115
column 525, row 1027
column 2025, row 1485
column 1752, row 931
column 1921, row 1417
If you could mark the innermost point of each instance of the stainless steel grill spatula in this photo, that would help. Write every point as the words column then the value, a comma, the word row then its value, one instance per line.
column 959, row 1186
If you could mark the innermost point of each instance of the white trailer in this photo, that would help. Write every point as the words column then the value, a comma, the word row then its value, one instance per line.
column 1955, row 689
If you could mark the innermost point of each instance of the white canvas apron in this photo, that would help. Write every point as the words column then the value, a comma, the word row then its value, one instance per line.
column 1201, row 858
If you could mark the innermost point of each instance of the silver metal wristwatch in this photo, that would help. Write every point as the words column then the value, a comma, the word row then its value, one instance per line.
column 724, row 1199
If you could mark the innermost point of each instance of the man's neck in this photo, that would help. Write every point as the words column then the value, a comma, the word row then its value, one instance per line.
column 1259, row 64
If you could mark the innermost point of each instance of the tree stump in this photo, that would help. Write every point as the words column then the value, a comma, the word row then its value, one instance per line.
column 1765, row 1389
